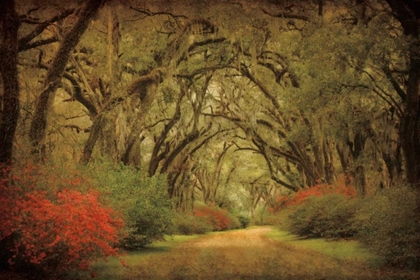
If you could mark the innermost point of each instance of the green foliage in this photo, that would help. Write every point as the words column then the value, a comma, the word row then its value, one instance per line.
column 150, row 219
column 328, row 216
column 244, row 220
column 234, row 221
column 188, row 224
column 144, row 201
column 389, row 224
column 263, row 216
column 281, row 219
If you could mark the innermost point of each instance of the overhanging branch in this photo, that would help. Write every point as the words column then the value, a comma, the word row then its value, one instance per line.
column 41, row 27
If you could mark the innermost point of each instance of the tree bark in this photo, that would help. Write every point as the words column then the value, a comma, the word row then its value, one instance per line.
column 410, row 123
column 113, row 44
column 55, row 73
column 9, row 102
column 145, row 86
column 159, row 151
column 98, row 124
column 408, row 14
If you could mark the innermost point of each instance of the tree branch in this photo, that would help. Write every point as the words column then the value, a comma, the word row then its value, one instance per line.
column 38, row 43
column 287, row 15
column 149, row 13
column 394, row 83
column 41, row 27
column 77, row 94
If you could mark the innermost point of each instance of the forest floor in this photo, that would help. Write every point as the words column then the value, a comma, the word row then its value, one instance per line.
column 244, row 254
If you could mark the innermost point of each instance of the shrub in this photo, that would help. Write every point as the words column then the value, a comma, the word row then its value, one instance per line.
column 263, row 216
column 299, row 197
column 389, row 224
column 282, row 219
column 328, row 216
column 49, row 234
column 234, row 221
column 217, row 217
column 150, row 219
column 244, row 220
column 143, row 200
column 188, row 224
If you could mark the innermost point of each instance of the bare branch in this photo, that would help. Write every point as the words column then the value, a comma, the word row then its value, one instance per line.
column 383, row 94
column 287, row 15
column 38, row 43
column 149, row 13
column 205, row 42
column 77, row 128
column 395, row 84
column 41, row 27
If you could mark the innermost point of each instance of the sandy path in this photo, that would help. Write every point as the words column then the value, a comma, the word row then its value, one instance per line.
column 254, row 237
column 247, row 254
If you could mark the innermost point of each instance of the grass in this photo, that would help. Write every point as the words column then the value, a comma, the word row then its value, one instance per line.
column 347, row 250
column 111, row 269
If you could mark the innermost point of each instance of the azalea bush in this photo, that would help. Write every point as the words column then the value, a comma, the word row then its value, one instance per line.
column 324, row 210
column 205, row 218
column 218, row 218
column 50, row 233
column 298, row 198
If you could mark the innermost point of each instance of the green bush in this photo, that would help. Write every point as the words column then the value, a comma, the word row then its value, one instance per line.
column 244, row 220
column 150, row 219
column 328, row 216
column 389, row 224
column 144, row 202
column 262, row 217
column 282, row 219
column 187, row 224
column 234, row 221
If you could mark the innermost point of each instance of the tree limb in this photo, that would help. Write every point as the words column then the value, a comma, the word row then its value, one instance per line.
column 41, row 27
column 38, row 43
column 287, row 15
column 395, row 84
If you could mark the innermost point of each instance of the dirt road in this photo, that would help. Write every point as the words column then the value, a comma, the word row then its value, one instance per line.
column 249, row 254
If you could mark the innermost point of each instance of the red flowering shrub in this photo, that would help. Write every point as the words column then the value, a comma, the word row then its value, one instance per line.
column 217, row 217
column 50, row 233
column 319, row 190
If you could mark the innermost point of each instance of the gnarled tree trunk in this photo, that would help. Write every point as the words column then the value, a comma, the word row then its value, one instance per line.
column 9, row 100
column 408, row 14
column 55, row 73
